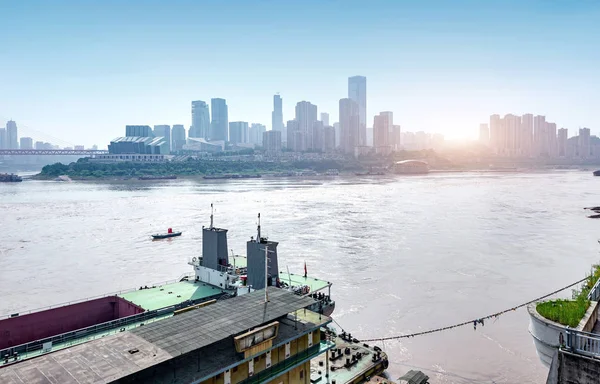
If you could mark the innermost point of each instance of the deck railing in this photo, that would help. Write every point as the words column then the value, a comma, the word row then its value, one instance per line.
column 583, row 343
column 595, row 292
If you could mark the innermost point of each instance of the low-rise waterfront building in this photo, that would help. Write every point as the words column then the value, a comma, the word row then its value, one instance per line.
column 138, row 145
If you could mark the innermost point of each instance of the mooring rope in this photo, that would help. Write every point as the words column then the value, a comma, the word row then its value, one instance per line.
column 474, row 322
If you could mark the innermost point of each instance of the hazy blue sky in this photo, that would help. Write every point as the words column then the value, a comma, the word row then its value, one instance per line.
column 81, row 70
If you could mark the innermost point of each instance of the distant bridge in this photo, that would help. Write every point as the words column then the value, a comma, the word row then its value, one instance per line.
column 51, row 152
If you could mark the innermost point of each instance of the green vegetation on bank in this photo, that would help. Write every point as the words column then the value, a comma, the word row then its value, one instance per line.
column 85, row 169
column 570, row 312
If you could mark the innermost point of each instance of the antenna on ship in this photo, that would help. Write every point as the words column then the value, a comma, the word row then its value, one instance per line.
column 258, row 236
column 211, row 215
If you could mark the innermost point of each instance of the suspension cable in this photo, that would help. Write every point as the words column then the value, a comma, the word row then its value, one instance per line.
column 474, row 322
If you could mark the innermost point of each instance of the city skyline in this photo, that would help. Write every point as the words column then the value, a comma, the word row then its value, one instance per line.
column 497, row 56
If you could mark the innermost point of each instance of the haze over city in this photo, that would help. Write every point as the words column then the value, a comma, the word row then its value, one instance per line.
column 82, row 71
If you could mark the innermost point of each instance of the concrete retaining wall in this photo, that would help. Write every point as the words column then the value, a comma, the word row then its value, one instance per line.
column 546, row 333
column 570, row 368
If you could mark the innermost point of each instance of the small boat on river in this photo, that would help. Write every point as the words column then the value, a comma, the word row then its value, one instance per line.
column 597, row 173
column 169, row 233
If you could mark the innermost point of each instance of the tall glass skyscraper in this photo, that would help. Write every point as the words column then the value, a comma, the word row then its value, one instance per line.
column 200, row 120
column 357, row 91
column 277, row 116
column 219, row 125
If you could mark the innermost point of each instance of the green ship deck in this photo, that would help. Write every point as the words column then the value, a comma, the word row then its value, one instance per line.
column 314, row 283
column 170, row 294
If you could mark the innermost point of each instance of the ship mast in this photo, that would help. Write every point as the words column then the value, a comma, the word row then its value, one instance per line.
column 211, row 215
column 258, row 235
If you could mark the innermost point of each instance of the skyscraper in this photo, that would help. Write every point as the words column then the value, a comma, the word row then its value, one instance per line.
column 26, row 143
column 357, row 91
column 12, row 136
column 3, row 143
column 328, row 139
column 349, row 125
column 325, row 118
column 552, row 145
column 484, row 134
column 219, row 125
column 277, row 116
column 526, row 135
column 306, row 115
column 200, row 120
column 317, row 135
column 271, row 141
column 294, row 138
column 583, row 145
column 381, row 132
column 563, row 136
column 255, row 134
column 336, row 127
column 496, row 133
column 511, row 125
column 238, row 132
column 164, row 131
column 178, row 137
column 540, row 134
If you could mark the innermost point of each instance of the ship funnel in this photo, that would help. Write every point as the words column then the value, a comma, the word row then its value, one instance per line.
column 214, row 246
column 263, row 267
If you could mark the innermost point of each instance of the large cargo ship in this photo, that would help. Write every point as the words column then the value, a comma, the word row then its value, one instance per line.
column 216, row 275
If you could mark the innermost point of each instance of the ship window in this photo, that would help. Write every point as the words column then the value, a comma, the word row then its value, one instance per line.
column 302, row 374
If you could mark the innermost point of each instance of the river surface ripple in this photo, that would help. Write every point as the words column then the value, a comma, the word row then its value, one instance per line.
column 405, row 254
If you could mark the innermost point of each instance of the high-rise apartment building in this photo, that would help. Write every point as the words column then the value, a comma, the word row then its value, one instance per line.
column 349, row 125
column 325, row 118
column 381, row 132
column 219, row 124
column 306, row 115
column 26, row 143
column 540, row 135
column 200, row 120
column 178, row 137
column 511, row 124
column 138, row 131
column 396, row 137
column 563, row 137
column 12, row 135
column 336, row 128
column 317, row 135
column 294, row 137
column 551, row 142
column 164, row 131
column 496, row 137
column 271, row 141
column 238, row 132
column 484, row 134
column 584, row 145
column 328, row 139
column 255, row 133
column 357, row 91
column 277, row 116
column 3, row 141
column 525, row 136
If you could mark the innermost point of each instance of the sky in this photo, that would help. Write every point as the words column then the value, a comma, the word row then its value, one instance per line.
column 76, row 72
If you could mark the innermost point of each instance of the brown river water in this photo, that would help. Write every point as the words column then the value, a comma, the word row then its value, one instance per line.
column 405, row 254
